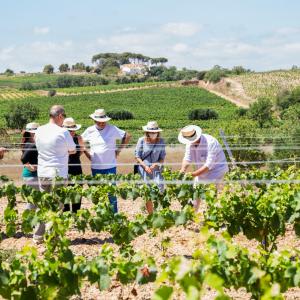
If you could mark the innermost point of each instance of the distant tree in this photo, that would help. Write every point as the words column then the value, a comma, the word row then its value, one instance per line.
column 64, row 68
column 48, row 69
column 21, row 114
column 286, row 98
column 215, row 74
column 201, row 75
column 88, row 69
column 238, row 70
column 9, row 72
column 261, row 111
column 78, row 67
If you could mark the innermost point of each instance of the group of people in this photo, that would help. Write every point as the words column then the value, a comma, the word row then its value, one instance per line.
column 55, row 149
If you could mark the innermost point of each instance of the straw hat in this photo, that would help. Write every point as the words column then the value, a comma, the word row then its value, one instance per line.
column 32, row 127
column 152, row 126
column 70, row 124
column 189, row 134
column 100, row 116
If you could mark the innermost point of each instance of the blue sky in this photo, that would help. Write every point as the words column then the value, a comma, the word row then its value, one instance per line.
column 261, row 35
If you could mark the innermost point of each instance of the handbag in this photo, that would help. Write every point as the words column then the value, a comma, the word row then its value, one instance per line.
column 136, row 166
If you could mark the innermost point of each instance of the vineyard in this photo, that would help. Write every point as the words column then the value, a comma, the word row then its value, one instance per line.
column 168, row 105
column 14, row 94
column 268, row 84
column 110, row 87
column 262, row 206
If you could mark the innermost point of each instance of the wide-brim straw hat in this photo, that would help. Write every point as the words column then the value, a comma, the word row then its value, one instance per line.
column 152, row 126
column 70, row 124
column 32, row 127
column 189, row 134
column 100, row 116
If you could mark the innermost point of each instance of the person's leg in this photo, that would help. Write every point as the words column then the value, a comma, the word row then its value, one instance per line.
column 112, row 198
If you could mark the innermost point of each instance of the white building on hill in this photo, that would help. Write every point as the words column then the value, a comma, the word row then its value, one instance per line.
column 133, row 69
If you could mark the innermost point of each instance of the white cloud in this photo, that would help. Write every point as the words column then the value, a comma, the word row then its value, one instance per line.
column 180, row 47
column 181, row 29
column 41, row 30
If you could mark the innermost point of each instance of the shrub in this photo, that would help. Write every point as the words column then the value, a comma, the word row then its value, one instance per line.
column 27, row 86
column 287, row 98
column 292, row 113
column 241, row 111
column 215, row 74
column 120, row 115
column 201, row 75
column 261, row 111
column 203, row 114
column 51, row 93
column 20, row 114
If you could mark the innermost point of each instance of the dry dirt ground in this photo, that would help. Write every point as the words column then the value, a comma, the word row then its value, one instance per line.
column 230, row 90
column 184, row 240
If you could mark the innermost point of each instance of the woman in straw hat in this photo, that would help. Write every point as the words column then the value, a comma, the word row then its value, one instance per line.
column 74, row 165
column 206, row 153
column 29, row 158
column 150, row 154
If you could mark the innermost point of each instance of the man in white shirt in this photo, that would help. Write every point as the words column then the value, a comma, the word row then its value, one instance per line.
column 206, row 153
column 102, row 138
column 54, row 144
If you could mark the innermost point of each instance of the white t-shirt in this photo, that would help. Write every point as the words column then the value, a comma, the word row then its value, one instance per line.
column 53, row 144
column 208, row 153
column 103, row 145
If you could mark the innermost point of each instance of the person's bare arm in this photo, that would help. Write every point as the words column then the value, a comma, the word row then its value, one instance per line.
column 2, row 151
column 200, row 171
column 81, row 144
column 31, row 167
column 124, row 142
column 184, row 166
column 145, row 167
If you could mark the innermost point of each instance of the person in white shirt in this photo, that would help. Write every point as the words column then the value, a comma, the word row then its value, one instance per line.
column 103, row 153
column 206, row 153
column 54, row 144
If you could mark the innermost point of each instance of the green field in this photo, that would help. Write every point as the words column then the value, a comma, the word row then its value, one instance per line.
column 16, row 81
column 109, row 87
column 169, row 106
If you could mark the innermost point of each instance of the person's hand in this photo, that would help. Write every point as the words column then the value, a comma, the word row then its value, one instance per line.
column 182, row 171
column 148, row 170
column 153, row 167
column 118, row 152
column 31, row 167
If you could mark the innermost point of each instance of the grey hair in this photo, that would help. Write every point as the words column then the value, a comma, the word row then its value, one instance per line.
column 56, row 110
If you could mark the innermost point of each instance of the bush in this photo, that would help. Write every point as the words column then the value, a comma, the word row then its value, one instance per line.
column 285, row 98
column 26, row 86
column 292, row 113
column 241, row 111
column 120, row 115
column 9, row 72
column 201, row 75
column 21, row 114
column 203, row 114
column 261, row 111
column 51, row 93
column 215, row 74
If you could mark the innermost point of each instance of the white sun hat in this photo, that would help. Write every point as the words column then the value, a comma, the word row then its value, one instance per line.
column 70, row 124
column 152, row 126
column 100, row 116
column 189, row 134
column 32, row 127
